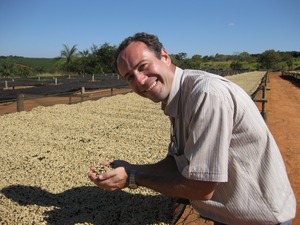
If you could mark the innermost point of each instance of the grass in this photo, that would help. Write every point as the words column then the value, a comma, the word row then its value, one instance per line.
column 46, row 64
column 56, row 74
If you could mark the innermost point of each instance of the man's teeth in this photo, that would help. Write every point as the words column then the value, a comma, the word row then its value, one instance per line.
column 152, row 86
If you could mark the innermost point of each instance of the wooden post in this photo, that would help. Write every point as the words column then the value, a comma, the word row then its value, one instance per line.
column 20, row 103
column 111, row 91
column 6, row 84
column 264, row 103
column 55, row 80
column 82, row 93
column 93, row 77
column 264, row 96
column 263, row 87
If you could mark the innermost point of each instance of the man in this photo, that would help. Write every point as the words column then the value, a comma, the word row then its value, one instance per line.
column 222, row 156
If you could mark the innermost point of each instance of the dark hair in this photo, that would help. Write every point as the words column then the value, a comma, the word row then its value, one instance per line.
column 150, row 40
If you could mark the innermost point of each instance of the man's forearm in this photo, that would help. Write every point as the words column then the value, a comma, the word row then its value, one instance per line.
column 166, row 165
column 165, row 178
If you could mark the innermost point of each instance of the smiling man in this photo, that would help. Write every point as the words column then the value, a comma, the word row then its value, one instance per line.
column 148, row 76
column 221, row 156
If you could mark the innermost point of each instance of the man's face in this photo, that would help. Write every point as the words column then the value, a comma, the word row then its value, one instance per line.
column 147, row 75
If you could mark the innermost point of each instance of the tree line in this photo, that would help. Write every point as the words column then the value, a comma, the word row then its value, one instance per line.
column 98, row 60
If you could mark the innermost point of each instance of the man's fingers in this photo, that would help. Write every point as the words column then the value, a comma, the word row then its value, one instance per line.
column 92, row 176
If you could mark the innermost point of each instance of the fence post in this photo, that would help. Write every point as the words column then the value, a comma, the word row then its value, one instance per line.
column 6, row 84
column 20, row 103
column 82, row 93
column 263, row 103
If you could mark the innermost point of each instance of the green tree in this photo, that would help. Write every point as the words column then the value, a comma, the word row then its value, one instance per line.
column 83, row 61
column 269, row 60
column 196, row 61
column 7, row 68
column 105, row 57
column 68, row 54
column 236, row 65
column 290, row 64
column 221, row 58
column 84, row 53
column 207, row 58
column 180, row 56
column 197, row 58
column 246, row 57
column 94, row 49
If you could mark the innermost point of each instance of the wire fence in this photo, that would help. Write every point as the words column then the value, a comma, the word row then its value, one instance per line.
column 10, row 88
column 26, row 102
column 23, row 94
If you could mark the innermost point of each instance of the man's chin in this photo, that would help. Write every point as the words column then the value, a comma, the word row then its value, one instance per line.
column 150, row 97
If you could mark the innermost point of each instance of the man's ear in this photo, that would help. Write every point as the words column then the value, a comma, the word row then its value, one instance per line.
column 165, row 56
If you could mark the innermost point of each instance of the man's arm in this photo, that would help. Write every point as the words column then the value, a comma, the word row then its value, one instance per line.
column 162, row 177
column 171, row 182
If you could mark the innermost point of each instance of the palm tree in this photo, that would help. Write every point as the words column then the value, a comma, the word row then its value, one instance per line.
column 84, row 53
column 94, row 49
column 83, row 60
column 68, row 54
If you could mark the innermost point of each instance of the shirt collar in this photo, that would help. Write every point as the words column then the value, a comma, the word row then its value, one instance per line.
column 171, row 108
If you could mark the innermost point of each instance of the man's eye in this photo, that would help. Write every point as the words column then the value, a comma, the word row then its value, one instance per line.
column 130, row 77
column 142, row 67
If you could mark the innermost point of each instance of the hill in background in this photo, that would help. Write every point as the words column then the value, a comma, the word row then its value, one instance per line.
column 43, row 64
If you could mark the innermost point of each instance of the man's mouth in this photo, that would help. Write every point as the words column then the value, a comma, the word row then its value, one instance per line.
column 151, row 86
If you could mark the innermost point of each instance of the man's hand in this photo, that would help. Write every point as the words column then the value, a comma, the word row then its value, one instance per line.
column 112, row 180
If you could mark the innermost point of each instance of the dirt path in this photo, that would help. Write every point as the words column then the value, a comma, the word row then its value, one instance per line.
column 283, row 109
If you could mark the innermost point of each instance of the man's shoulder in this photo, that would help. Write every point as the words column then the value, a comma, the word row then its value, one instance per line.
column 191, row 77
column 198, row 82
column 199, row 74
column 194, row 72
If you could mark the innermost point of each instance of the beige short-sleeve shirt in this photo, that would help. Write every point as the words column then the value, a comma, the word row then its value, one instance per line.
column 221, row 137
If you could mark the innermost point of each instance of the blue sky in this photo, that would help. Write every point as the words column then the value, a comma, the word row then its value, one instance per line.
column 39, row 28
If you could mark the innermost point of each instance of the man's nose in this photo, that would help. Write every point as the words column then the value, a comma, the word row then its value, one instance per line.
column 140, row 78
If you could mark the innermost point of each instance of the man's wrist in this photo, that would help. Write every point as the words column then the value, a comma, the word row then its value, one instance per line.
column 132, row 183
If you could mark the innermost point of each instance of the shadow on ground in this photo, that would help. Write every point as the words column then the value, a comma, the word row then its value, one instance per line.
column 291, row 79
column 92, row 205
